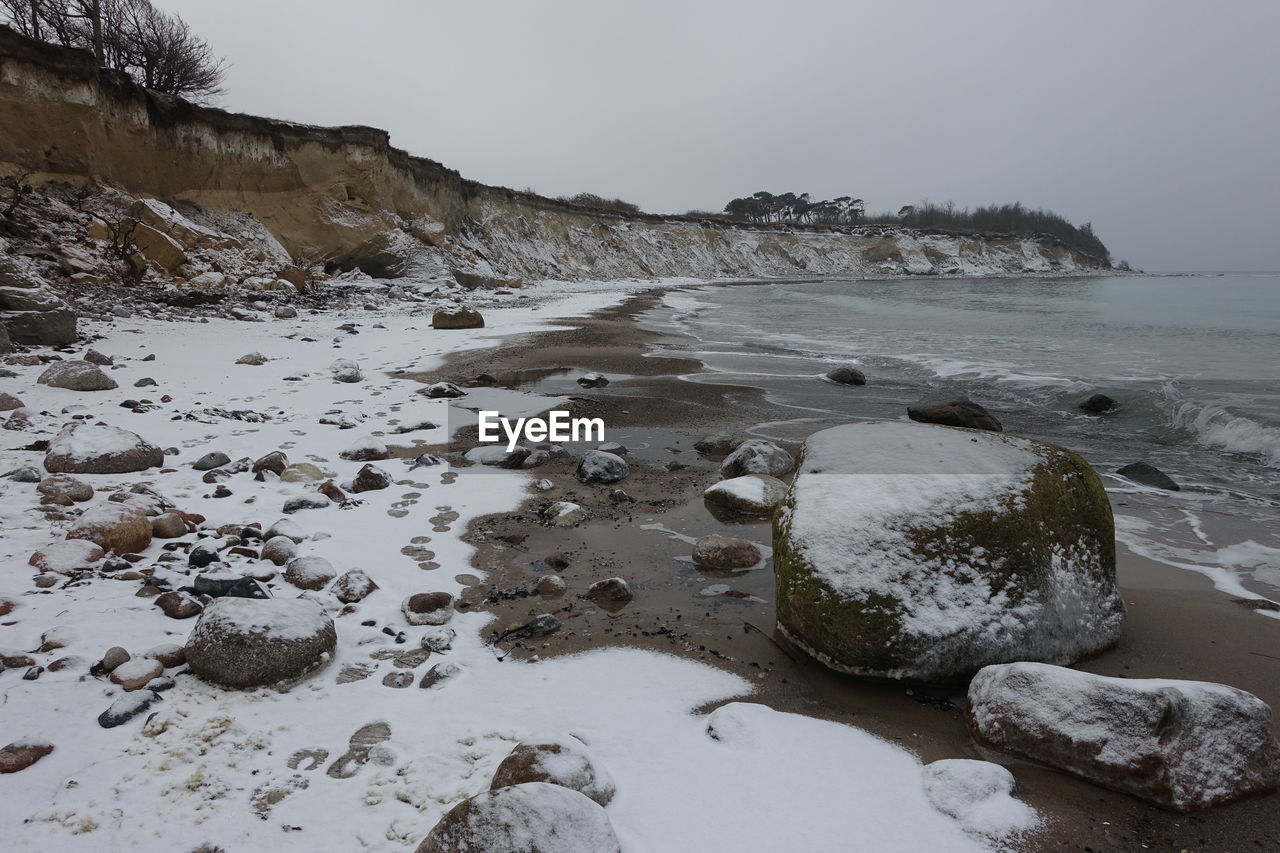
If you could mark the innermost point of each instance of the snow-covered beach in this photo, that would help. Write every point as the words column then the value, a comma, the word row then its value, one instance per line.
column 247, row 769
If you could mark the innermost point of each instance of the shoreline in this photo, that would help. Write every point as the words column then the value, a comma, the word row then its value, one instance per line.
column 1179, row 625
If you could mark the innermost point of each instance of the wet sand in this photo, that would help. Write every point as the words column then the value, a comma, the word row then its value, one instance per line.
column 1178, row 626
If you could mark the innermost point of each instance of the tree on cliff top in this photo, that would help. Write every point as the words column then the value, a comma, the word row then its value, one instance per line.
column 155, row 48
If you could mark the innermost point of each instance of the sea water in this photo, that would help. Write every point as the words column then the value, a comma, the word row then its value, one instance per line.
column 1194, row 362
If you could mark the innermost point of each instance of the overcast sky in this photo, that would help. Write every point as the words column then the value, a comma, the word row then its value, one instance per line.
column 1157, row 121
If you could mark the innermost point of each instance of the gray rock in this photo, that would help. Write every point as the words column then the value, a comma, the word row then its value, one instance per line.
column 76, row 376
column 95, row 357
column 563, row 761
column 128, row 706
column 346, row 370
column 245, row 643
column 301, row 502
column 275, row 462
column 457, row 318
column 310, row 572
column 353, row 586
column 278, row 549
column 1149, row 475
column 724, row 553
column 25, row 474
column 64, row 485
column 847, row 376
column 532, row 818
column 83, row 448
column 596, row 466
column 8, row 402
column 757, row 456
column 1180, row 744
column 1098, row 404
column 214, row 459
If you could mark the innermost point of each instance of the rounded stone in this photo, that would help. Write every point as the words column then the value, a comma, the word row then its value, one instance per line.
column 248, row 642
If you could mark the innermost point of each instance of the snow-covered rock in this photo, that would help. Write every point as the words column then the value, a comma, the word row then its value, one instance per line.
column 563, row 761
column 1181, row 744
column 346, row 370
column 978, row 794
column 83, row 448
column 67, row 556
column 370, row 478
column 116, row 527
column 248, row 642
column 310, row 572
column 753, row 494
column 564, row 514
column 279, row 549
column 427, row 608
column 597, row 466
column 443, row 391
column 756, row 456
column 460, row 317
column 76, row 376
column 367, row 449
column 911, row 551
column 535, row 817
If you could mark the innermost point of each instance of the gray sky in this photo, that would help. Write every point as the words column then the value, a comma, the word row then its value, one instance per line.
column 1157, row 120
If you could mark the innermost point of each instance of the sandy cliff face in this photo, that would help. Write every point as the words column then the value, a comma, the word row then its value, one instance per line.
column 345, row 197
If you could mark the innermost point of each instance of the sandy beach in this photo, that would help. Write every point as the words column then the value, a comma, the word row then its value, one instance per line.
column 1178, row 625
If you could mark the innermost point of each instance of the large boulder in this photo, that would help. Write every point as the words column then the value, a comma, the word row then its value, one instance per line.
column 83, row 448
column 953, row 411
column 457, row 318
column 30, row 312
column 115, row 527
column 76, row 375
column 924, row 552
column 535, row 817
column 757, row 456
column 562, row 761
column 1180, row 744
column 250, row 642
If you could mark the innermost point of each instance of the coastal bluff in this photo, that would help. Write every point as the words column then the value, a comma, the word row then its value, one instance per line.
column 346, row 198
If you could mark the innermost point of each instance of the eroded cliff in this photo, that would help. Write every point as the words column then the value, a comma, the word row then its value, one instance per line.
column 345, row 198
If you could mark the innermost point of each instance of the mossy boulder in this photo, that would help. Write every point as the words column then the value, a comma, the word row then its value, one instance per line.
column 925, row 552
column 459, row 317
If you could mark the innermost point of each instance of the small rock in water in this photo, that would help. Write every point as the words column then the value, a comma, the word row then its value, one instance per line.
column 956, row 412
column 593, row 380
column 1149, row 475
column 1098, row 404
column 610, row 591
column 725, row 553
column 550, row 585
column 564, row 514
column 847, row 376
column 720, row 444
column 750, row 495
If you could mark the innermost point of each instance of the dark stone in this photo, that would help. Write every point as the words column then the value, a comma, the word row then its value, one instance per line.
column 426, row 460
column 301, row 502
column 956, row 412
column 1149, row 475
column 1098, row 404
column 220, row 587
column 178, row 605
column 275, row 462
column 847, row 376
column 128, row 706
column 202, row 555
column 209, row 461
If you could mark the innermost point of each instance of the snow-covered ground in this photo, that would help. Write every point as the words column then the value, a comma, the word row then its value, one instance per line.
column 243, row 770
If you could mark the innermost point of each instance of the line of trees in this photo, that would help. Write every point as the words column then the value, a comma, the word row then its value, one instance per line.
column 1012, row 218
column 155, row 48
column 593, row 200
column 789, row 207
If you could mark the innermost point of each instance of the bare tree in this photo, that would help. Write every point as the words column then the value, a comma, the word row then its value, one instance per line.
column 157, row 49
column 124, row 249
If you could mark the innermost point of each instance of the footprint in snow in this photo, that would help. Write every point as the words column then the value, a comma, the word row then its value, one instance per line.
column 360, row 747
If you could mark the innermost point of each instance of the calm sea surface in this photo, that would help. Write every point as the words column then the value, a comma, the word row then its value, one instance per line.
column 1193, row 360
